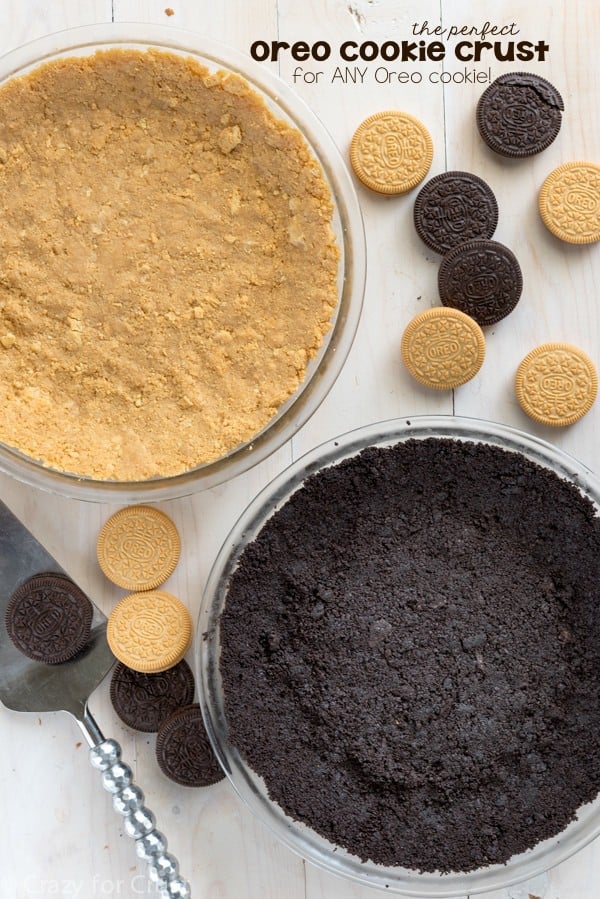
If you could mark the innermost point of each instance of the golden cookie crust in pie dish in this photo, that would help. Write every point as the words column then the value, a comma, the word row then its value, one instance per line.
column 168, row 266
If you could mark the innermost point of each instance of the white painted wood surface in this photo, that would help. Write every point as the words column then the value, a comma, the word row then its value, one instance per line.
column 60, row 836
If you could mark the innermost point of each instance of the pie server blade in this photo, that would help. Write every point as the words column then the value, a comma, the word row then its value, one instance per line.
column 29, row 686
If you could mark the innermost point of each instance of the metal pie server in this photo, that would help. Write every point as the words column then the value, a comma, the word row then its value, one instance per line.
column 28, row 686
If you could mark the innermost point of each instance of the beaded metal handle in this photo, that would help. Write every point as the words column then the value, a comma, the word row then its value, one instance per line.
column 128, row 800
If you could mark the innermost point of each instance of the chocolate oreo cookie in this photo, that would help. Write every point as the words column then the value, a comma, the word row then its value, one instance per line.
column 183, row 750
column 143, row 701
column 519, row 114
column 455, row 207
column 481, row 278
column 49, row 618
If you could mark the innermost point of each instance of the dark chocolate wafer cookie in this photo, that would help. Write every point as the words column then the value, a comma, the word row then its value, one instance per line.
column 183, row 750
column 49, row 618
column 519, row 114
column 455, row 207
column 481, row 278
column 144, row 701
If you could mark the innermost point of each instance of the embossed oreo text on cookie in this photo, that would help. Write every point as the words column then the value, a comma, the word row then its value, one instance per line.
column 556, row 384
column 149, row 632
column 183, row 750
column 481, row 278
column 138, row 548
column 443, row 348
column 143, row 701
column 49, row 618
column 391, row 152
column 570, row 202
column 519, row 114
column 454, row 207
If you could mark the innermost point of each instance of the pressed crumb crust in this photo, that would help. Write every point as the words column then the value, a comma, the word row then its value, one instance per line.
column 168, row 264
column 410, row 654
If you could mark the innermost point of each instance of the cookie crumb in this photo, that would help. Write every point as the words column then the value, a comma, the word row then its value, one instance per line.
column 229, row 139
column 8, row 340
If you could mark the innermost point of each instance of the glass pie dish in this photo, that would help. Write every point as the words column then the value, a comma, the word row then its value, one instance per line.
column 250, row 787
column 347, row 225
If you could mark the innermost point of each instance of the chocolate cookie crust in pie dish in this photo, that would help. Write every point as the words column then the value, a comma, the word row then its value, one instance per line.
column 178, row 264
column 427, row 619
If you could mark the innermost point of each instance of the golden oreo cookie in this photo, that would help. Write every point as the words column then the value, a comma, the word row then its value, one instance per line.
column 150, row 631
column 569, row 202
column 138, row 548
column 443, row 348
column 391, row 152
column 556, row 384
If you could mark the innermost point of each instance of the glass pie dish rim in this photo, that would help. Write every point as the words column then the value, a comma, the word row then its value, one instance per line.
column 249, row 787
column 322, row 371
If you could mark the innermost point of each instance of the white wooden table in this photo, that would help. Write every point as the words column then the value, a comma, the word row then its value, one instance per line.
column 60, row 836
